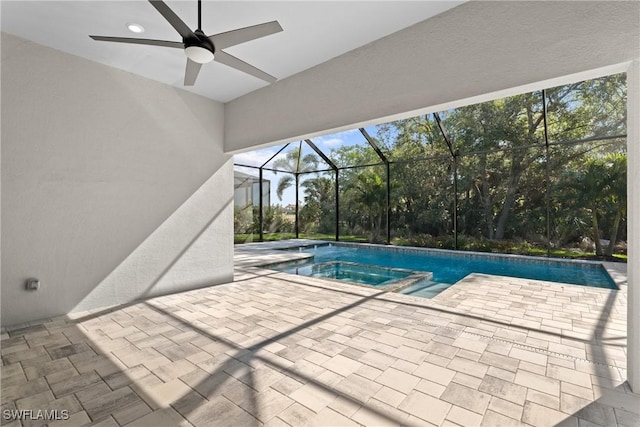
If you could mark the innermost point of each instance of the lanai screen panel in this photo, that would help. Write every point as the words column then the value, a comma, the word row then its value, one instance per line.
column 317, row 214
column 317, row 206
column 348, row 149
column 279, row 213
column 499, row 153
column 588, row 197
column 415, row 138
column 245, row 203
column 501, row 199
column 423, row 203
column 588, row 109
column 363, row 210
column 587, row 158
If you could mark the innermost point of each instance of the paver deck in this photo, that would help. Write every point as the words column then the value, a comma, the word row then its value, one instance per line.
column 276, row 349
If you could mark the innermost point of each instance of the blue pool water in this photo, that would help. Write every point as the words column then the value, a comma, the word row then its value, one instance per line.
column 351, row 272
column 447, row 269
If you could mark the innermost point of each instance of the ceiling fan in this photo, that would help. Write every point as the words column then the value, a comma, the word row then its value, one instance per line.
column 200, row 48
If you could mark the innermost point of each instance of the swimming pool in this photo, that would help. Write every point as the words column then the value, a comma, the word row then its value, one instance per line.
column 448, row 267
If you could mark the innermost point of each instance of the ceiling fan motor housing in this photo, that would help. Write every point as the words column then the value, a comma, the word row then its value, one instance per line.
column 199, row 48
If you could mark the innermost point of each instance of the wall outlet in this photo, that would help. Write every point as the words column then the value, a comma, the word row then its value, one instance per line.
column 33, row 284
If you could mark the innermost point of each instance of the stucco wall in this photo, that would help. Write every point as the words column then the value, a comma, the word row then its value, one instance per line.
column 114, row 187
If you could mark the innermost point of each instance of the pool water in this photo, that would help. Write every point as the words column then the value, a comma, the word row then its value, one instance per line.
column 352, row 272
column 426, row 289
column 448, row 269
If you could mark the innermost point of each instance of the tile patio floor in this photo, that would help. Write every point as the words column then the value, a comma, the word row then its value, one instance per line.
column 280, row 350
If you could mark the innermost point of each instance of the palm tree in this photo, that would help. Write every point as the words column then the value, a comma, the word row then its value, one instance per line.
column 603, row 182
column 594, row 184
column 369, row 197
column 617, row 194
column 293, row 164
column 319, row 204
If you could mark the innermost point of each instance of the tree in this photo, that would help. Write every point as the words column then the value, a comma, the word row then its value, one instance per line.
column 602, row 183
column 491, row 138
column 363, row 190
column 293, row 163
column 422, row 192
column 274, row 220
column 242, row 219
column 368, row 195
column 572, row 189
column 501, row 165
column 318, row 212
column 617, row 179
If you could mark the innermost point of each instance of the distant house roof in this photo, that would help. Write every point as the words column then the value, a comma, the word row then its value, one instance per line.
column 242, row 179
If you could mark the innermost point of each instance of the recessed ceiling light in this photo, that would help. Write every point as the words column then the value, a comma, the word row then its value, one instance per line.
column 135, row 28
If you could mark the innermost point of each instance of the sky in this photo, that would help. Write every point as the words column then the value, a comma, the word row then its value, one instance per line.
column 325, row 143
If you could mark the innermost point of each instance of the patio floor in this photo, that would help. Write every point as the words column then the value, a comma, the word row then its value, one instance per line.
column 276, row 349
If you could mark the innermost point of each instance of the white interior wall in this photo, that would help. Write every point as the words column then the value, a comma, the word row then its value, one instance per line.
column 115, row 187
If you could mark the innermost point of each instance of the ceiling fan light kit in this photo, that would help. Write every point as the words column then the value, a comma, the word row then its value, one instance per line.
column 200, row 48
column 199, row 54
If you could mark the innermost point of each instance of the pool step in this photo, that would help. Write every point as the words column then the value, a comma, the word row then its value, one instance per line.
column 426, row 289
column 416, row 278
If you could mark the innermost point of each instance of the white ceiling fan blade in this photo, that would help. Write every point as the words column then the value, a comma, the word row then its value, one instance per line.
column 149, row 42
column 242, row 35
column 240, row 65
column 191, row 72
column 172, row 18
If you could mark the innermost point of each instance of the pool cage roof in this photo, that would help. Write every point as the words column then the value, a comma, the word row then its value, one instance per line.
column 308, row 143
column 450, row 153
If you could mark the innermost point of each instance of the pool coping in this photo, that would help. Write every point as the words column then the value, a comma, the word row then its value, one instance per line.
column 469, row 254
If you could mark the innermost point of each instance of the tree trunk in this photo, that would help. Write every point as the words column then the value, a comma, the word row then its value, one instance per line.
column 373, row 227
column 518, row 166
column 596, row 231
column 509, row 200
column 614, row 232
column 485, row 197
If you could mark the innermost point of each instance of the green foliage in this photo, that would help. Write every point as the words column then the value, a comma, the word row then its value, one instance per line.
column 275, row 220
column 293, row 162
column 317, row 215
column 247, row 238
column 365, row 195
column 243, row 219
column 595, row 194
column 472, row 244
column 501, row 170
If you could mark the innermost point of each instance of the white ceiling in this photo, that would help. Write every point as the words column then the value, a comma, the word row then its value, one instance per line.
column 314, row 32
